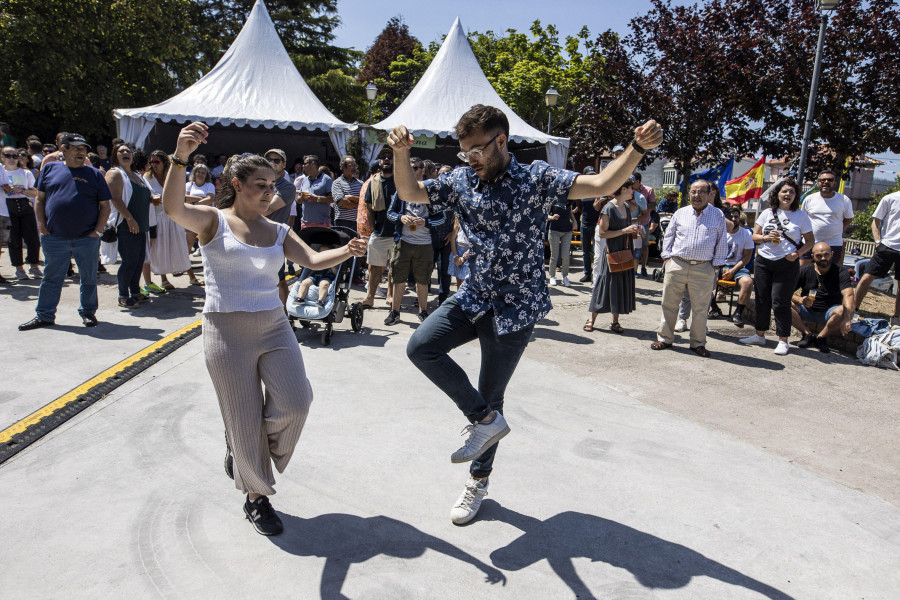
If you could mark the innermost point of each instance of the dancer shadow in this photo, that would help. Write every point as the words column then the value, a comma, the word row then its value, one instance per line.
column 654, row 562
column 343, row 540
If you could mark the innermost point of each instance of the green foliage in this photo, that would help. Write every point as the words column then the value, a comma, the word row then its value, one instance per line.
column 862, row 221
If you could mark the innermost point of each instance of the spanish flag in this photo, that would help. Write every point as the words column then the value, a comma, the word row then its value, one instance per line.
column 747, row 186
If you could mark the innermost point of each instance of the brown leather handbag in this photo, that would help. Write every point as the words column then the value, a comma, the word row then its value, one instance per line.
column 623, row 260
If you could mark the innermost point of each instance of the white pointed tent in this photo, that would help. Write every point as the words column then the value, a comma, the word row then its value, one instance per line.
column 254, row 84
column 450, row 86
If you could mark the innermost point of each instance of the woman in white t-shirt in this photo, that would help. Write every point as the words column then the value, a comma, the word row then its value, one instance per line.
column 198, row 190
column 783, row 233
column 20, row 209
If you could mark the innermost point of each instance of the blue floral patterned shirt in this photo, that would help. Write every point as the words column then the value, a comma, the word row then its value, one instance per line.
column 505, row 222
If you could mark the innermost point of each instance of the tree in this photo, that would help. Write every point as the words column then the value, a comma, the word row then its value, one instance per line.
column 393, row 43
column 70, row 64
column 858, row 103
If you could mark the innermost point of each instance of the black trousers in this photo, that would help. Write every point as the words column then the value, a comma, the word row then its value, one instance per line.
column 23, row 229
column 774, row 282
column 132, row 249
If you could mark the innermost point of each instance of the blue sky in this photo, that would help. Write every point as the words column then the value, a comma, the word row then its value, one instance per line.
column 428, row 21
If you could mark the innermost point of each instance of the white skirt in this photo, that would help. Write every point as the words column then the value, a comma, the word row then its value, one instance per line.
column 169, row 251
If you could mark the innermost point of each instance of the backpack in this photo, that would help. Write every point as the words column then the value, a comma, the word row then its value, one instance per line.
column 881, row 350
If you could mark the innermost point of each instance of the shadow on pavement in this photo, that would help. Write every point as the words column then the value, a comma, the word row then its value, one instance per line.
column 559, row 336
column 114, row 331
column 343, row 540
column 654, row 562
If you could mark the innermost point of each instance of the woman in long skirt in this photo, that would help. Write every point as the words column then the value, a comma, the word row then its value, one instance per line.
column 613, row 292
column 168, row 252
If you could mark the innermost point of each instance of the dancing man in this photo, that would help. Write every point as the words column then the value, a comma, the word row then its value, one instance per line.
column 502, row 207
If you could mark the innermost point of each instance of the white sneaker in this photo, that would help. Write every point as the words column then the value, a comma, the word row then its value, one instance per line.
column 481, row 437
column 759, row 340
column 553, row 281
column 35, row 272
column 680, row 326
column 566, row 282
column 782, row 348
column 196, row 252
column 20, row 274
column 469, row 502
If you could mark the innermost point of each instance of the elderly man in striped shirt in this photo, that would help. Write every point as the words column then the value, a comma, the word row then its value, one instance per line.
column 694, row 245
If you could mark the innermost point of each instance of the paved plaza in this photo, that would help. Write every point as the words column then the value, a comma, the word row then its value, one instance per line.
column 628, row 473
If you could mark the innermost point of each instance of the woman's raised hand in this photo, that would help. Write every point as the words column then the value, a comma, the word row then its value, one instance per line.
column 190, row 138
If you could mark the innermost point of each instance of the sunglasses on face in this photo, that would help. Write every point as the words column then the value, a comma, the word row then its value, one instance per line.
column 155, row 162
column 826, row 180
column 5, row 155
column 277, row 159
column 417, row 167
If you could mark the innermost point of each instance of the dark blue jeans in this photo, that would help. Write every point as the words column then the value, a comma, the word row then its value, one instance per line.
column 442, row 262
column 57, row 254
column 132, row 249
column 587, row 246
column 447, row 328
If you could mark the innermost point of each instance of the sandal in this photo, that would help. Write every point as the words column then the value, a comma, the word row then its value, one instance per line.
column 701, row 351
column 167, row 285
column 196, row 282
column 616, row 328
column 588, row 325
column 660, row 346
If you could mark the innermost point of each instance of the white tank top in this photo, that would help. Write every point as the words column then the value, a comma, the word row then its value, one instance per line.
column 240, row 277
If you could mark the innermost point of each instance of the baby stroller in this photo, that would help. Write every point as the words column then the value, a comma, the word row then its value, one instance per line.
column 664, row 220
column 336, row 306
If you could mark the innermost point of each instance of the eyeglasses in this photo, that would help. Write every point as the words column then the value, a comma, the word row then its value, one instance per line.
column 476, row 154
column 6, row 155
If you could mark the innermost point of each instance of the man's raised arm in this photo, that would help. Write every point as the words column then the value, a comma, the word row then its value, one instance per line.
column 408, row 188
column 647, row 136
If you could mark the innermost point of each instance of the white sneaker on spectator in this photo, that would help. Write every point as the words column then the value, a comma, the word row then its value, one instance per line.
column 35, row 272
column 196, row 252
column 759, row 340
column 680, row 325
column 566, row 282
column 553, row 281
column 481, row 437
column 469, row 502
column 782, row 348
column 20, row 274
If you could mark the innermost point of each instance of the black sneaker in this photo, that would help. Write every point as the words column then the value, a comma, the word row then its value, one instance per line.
column 35, row 323
column 714, row 312
column 822, row 344
column 585, row 278
column 89, row 320
column 806, row 341
column 229, row 460
column 644, row 272
column 101, row 269
column 263, row 516
column 393, row 318
column 423, row 314
column 738, row 320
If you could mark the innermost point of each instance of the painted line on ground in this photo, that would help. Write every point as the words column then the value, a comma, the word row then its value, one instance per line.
column 19, row 436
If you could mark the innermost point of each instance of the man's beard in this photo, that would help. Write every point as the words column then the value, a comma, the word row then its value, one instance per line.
column 387, row 169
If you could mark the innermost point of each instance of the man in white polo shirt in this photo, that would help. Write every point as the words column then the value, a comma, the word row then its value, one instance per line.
column 886, row 232
column 830, row 213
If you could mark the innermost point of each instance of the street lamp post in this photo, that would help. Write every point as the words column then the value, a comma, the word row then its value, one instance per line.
column 823, row 6
column 550, row 98
column 371, row 94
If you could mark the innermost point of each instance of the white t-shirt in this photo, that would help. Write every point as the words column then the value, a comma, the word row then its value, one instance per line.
column 888, row 211
column 20, row 178
column 794, row 223
column 191, row 189
column 827, row 216
column 4, row 180
column 737, row 242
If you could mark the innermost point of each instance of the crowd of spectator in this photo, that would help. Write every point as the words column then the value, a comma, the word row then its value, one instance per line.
column 779, row 260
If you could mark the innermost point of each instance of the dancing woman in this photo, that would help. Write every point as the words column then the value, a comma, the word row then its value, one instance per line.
column 247, row 340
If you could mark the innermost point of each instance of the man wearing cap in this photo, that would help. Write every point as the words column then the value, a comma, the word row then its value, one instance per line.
column 589, row 218
column 72, row 206
column 285, row 214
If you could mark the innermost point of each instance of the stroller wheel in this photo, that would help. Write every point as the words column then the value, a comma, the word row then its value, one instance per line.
column 305, row 324
column 657, row 275
column 326, row 335
column 356, row 316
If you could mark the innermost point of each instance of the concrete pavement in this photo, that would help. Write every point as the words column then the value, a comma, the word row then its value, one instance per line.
column 628, row 474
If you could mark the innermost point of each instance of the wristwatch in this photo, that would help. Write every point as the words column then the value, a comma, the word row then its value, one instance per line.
column 99, row 233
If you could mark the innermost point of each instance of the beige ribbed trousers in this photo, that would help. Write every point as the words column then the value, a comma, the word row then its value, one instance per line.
column 245, row 351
